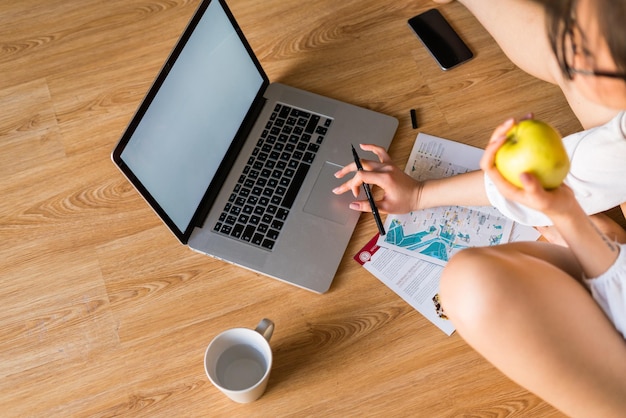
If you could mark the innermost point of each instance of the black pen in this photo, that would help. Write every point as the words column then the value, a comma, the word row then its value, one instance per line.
column 368, row 193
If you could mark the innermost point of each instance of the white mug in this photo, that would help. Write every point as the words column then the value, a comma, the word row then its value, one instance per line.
column 238, row 361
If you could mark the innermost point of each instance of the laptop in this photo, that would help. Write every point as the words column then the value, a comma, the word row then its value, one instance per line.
column 239, row 168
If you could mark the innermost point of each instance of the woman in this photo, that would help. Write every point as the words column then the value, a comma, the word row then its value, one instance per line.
column 551, row 317
column 598, row 102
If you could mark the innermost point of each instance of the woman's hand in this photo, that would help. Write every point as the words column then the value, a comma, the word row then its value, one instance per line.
column 551, row 202
column 401, row 192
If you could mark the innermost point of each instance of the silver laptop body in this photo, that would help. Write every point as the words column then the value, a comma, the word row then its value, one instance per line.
column 193, row 139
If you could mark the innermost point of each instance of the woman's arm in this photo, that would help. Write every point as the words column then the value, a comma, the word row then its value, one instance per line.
column 403, row 194
column 593, row 250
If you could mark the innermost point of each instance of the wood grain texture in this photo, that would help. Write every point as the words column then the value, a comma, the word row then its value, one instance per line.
column 103, row 313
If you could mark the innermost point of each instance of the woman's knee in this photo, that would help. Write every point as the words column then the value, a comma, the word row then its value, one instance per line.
column 473, row 286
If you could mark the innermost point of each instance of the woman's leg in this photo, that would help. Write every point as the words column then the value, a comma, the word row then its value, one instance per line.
column 519, row 27
column 520, row 308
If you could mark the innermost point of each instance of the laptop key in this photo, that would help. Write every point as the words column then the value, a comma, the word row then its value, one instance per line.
column 298, row 179
column 308, row 157
column 321, row 130
column 310, row 127
column 257, row 239
column 248, row 232
column 237, row 230
column 282, row 214
column 277, row 225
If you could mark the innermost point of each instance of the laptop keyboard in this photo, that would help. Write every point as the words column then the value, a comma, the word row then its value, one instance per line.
column 260, row 202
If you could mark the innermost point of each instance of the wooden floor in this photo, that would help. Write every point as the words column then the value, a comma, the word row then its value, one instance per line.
column 104, row 313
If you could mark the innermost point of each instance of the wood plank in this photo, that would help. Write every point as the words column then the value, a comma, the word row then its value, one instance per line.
column 104, row 313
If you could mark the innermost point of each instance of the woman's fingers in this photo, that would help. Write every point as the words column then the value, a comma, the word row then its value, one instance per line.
column 398, row 187
column 380, row 152
column 498, row 137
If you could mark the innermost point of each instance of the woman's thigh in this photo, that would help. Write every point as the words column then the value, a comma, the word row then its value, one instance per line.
column 517, row 306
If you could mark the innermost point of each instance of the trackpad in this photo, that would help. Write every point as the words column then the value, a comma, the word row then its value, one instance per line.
column 323, row 202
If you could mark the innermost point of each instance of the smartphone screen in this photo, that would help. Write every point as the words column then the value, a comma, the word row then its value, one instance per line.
column 443, row 43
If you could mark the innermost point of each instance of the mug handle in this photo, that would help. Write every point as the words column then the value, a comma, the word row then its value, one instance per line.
column 265, row 328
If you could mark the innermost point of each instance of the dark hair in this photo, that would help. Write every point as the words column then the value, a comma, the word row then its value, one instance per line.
column 612, row 20
column 611, row 16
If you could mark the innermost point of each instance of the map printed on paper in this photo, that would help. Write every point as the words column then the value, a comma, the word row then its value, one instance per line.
column 436, row 234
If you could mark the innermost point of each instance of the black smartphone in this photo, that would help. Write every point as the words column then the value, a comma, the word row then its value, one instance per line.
column 441, row 40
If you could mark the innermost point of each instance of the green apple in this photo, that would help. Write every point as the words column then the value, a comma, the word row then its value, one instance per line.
column 534, row 147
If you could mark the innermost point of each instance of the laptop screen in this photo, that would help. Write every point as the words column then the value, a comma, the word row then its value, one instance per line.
column 181, row 133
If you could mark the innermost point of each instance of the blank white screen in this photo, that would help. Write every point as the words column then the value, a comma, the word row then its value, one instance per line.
column 185, row 133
